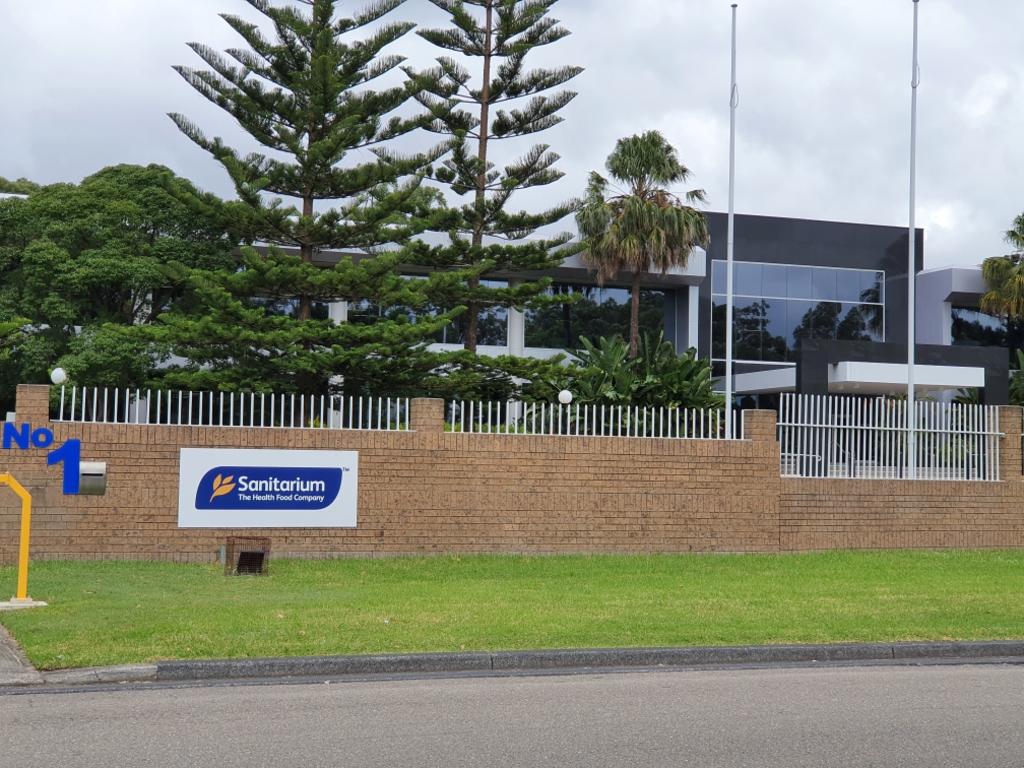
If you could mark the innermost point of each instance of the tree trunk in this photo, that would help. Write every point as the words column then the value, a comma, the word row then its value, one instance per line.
column 473, row 310
column 634, row 317
column 305, row 308
column 472, row 319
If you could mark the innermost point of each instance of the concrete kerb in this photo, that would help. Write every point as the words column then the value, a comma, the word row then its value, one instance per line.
column 126, row 673
column 524, row 661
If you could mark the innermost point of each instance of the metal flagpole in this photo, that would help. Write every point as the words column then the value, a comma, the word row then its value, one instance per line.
column 911, row 268
column 733, row 103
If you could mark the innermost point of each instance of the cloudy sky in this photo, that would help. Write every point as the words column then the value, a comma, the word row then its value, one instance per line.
column 823, row 121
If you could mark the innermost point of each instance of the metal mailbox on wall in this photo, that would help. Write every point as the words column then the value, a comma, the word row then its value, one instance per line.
column 265, row 488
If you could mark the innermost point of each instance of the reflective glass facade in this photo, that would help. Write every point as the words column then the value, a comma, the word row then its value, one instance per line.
column 597, row 311
column 972, row 327
column 775, row 306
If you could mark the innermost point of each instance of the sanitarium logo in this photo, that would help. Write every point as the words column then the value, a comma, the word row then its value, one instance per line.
column 250, row 488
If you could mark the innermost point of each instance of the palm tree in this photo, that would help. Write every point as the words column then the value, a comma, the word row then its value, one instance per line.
column 637, row 225
column 1015, row 236
column 1004, row 276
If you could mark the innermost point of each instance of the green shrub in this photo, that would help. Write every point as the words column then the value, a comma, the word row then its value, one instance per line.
column 603, row 373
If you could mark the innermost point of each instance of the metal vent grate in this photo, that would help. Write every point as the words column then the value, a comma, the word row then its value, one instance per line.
column 247, row 555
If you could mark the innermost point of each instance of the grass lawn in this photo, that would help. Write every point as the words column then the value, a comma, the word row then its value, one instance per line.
column 118, row 612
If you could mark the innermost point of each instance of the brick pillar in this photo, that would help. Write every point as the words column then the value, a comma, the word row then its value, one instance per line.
column 427, row 414
column 1011, row 421
column 32, row 403
column 759, row 426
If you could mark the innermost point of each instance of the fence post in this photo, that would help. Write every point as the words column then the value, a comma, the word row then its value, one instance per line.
column 427, row 414
column 759, row 426
column 32, row 403
column 1011, row 423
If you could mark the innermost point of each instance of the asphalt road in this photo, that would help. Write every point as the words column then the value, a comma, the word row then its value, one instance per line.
column 838, row 716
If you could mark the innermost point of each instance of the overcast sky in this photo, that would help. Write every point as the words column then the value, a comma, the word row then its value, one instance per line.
column 823, row 120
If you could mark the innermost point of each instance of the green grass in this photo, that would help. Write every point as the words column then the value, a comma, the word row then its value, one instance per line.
column 118, row 612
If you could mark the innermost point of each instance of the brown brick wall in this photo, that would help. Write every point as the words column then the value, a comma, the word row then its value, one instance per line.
column 419, row 492
column 429, row 491
column 884, row 514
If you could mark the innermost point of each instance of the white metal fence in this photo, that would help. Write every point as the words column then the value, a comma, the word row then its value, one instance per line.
column 100, row 405
column 515, row 417
column 837, row 436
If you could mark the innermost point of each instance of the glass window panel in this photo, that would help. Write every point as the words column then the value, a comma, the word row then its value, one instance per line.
column 872, row 287
column 748, row 322
column 652, row 311
column 799, row 282
column 492, row 327
column 853, row 323
column 619, row 296
column 597, row 312
column 718, row 277
column 773, row 280
column 849, row 284
column 974, row 328
column 718, row 326
column 862, row 322
column 814, row 320
column 776, row 330
column 747, row 279
column 824, row 280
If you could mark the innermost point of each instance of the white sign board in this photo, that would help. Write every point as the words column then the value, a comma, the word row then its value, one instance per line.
column 263, row 488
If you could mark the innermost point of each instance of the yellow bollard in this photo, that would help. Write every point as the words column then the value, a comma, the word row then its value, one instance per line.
column 26, row 527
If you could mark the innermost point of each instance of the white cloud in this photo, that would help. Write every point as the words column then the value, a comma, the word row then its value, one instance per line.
column 823, row 120
column 988, row 93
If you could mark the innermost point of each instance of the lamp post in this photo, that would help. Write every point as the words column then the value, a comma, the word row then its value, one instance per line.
column 915, row 81
column 733, row 103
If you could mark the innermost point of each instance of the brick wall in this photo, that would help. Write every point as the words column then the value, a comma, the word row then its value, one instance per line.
column 884, row 514
column 419, row 492
column 430, row 491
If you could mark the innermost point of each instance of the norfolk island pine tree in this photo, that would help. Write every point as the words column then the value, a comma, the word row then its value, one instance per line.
column 478, row 111
column 309, row 98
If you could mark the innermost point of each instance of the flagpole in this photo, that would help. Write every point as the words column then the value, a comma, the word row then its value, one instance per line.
column 733, row 103
column 912, row 268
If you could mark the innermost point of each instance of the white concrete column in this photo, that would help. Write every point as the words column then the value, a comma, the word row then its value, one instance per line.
column 693, row 311
column 337, row 311
column 516, row 329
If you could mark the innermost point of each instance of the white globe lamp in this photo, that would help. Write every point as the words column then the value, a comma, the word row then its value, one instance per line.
column 58, row 376
column 565, row 397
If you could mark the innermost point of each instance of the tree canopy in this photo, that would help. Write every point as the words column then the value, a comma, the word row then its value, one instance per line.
column 79, row 260
column 20, row 186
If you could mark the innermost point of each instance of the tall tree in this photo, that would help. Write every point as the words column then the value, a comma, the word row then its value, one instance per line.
column 478, row 110
column 636, row 224
column 313, row 99
column 113, row 251
column 1004, row 277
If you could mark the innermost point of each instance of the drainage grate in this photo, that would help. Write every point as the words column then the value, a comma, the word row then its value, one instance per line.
column 247, row 555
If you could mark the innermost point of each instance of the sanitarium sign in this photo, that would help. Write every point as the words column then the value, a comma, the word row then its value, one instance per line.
column 253, row 488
